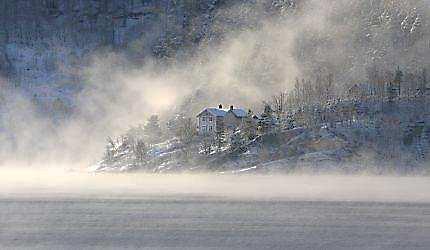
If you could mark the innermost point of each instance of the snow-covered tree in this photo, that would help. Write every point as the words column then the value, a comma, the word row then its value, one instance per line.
column 268, row 121
column 109, row 150
column 206, row 145
column 237, row 140
column 140, row 150
column 250, row 126
column 220, row 137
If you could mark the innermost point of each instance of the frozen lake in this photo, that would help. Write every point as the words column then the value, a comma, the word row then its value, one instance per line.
column 53, row 210
column 200, row 223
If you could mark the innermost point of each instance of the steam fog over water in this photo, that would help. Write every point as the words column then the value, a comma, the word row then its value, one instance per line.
column 59, row 210
column 40, row 183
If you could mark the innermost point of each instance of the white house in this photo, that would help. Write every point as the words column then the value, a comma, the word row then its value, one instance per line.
column 212, row 120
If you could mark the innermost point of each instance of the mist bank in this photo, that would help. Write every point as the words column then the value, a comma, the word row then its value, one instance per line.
column 39, row 184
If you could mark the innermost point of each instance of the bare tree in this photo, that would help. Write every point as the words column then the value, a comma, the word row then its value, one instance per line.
column 279, row 102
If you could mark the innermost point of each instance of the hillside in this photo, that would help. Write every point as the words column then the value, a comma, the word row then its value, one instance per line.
column 45, row 46
column 97, row 67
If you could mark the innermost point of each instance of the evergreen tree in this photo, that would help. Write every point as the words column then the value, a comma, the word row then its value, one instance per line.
column 267, row 121
column 152, row 129
column 173, row 125
column 249, row 127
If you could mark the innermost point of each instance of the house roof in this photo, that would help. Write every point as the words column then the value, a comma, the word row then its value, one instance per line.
column 240, row 113
column 215, row 112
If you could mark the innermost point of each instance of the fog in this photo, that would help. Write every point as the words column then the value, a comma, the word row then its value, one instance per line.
column 62, row 184
column 247, row 66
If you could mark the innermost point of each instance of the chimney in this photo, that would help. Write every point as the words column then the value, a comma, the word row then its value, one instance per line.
column 231, row 107
column 220, row 106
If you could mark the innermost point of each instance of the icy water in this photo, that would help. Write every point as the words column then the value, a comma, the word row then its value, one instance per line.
column 211, row 224
column 74, row 211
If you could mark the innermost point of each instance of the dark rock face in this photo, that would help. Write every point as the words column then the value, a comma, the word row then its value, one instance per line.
column 46, row 41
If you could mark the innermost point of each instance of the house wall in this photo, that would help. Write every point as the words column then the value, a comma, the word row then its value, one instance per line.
column 209, row 124
column 219, row 124
column 206, row 123
column 231, row 122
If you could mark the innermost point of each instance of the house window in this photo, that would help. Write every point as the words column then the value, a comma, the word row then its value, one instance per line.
column 210, row 128
column 203, row 118
column 210, row 119
column 203, row 128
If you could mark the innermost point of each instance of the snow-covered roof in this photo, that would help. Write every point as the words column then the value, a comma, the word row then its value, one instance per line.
column 215, row 111
column 240, row 113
